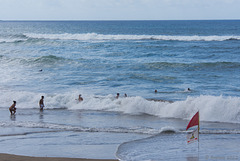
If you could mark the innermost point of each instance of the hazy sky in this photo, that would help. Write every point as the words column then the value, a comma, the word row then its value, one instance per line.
column 119, row 9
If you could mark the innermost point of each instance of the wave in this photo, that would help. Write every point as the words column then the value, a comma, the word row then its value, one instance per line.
column 219, row 131
column 193, row 66
column 95, row 36
column 212, row 108
column 36, row 61
column 13, row 38
column 60, row 127
column 52, row 127
column 166, row 147
column 105, row 37
column 48, row 59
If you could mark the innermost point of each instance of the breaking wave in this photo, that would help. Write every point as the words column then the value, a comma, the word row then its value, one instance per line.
column 13, row 38
column 96, row 36
column 212, row 108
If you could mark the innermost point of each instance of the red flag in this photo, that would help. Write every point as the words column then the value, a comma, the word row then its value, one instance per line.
column 194, row 121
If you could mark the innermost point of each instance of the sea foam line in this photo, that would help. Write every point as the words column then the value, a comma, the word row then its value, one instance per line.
column 95, row 36
column 61, row 127
column 137, row 130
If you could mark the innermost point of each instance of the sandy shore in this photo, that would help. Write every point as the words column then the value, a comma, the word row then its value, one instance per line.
column 10, row 157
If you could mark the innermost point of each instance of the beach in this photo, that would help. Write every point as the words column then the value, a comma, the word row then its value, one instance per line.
column 11, row 157
column 164, row 71
column 61, row 133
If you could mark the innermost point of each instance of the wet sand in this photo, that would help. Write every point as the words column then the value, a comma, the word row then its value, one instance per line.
column 10, row 157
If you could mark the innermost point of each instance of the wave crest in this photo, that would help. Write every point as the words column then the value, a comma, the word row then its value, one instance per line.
column 193, row 66
column 95, row 36
column 105, row 37
column 212, row 108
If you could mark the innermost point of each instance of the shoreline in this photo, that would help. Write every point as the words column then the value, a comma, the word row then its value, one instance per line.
column 13, row 157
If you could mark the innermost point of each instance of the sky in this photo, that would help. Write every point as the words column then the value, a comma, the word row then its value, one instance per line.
column 119, row 9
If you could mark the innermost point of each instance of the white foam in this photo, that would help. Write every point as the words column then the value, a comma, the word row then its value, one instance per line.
column 212, row 108
column 60, row 127
column 100, row 37
column 11, row 40
column 95, row 36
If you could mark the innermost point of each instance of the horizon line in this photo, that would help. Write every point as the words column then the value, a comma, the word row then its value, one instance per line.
column 133, row 20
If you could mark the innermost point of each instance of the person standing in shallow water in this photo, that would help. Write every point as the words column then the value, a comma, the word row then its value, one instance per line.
column 41, row 103
column 13, row 108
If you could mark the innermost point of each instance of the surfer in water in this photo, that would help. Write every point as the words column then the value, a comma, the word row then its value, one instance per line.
column 41, row 103
column 13, row 108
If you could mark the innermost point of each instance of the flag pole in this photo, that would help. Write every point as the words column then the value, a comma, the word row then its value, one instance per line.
column 198, row 127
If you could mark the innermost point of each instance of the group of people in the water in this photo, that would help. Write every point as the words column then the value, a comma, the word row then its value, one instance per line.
column 13, row 108
column 125, row 95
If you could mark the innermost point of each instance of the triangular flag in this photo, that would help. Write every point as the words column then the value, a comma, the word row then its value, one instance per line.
column 193, row 136
column 194, row 121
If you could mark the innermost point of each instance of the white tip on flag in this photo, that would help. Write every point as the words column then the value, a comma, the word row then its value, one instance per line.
column 193, row 136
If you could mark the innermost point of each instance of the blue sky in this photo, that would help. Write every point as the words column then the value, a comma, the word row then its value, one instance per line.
column 119, row 9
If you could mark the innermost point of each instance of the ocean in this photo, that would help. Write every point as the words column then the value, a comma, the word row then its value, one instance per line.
column 168, row 69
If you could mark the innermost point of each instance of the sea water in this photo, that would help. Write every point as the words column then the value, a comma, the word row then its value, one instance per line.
column 62, row 59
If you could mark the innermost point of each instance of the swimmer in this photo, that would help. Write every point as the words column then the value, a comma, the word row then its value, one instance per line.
column 13, row 108
column 117, row 96
column 80, row 98
column 41, row 103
